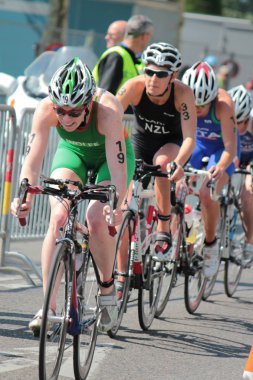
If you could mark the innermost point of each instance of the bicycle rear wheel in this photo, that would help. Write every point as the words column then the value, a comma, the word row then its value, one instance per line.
column 195, row 281
column 123, row 247
column 53, row 341
column 233, row 269
column 85, row 342
column 149, row 292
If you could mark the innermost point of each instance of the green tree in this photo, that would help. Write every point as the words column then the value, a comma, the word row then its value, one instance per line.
column 57, row 26
column 213, row 7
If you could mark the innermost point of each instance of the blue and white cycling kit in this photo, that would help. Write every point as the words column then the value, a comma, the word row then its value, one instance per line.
column 246, row 142
column 209, row 141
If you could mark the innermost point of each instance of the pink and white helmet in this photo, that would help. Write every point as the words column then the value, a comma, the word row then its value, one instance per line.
column 202, row 80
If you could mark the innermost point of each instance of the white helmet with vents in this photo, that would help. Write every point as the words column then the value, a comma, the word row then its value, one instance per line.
column 243, row 102
column 202, row 80
column 163, row 54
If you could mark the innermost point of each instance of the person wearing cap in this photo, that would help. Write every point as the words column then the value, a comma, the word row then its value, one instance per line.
column 120, row 63
column 115, row 33
column 213, row 61
column 216, row 139
column 165, row 126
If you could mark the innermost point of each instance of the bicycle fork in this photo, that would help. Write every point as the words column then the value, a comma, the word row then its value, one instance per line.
column 140, row 248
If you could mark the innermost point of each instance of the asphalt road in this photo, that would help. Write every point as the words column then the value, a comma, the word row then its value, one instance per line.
column 213, row 344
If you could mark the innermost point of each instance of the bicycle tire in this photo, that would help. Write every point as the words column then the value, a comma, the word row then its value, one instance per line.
column 149, row 291
column 125, row 233
column 54, row 329
column 167, row 283
column 169, row 277
column 84, row 343
column 210, row 282
column 195, row 281
column 233, row 270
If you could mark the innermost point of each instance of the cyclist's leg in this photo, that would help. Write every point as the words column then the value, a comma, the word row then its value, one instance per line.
column 163, row 157
column 211, row 214
column 103, row 245
column 66, row 164
column 246, row 201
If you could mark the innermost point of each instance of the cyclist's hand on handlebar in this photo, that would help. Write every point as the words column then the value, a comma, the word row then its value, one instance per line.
column 18, row 210
column 117, row 215
column 216, row 172
column 178, row 171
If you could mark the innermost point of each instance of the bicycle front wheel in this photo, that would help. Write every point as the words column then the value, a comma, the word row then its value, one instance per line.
column 233, row 269
column 210, row 282
column 85, row 342
column 195, row 281
column 122, row 277
column 53, row 341
column 149, row 292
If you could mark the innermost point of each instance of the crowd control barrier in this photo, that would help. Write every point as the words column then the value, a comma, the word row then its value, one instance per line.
column 14, row 139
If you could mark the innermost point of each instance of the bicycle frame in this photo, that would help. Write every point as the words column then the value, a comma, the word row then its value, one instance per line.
column 138, row 245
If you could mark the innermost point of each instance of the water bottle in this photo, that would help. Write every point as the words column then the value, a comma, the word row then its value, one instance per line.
column 188, row 215
column 191, row 224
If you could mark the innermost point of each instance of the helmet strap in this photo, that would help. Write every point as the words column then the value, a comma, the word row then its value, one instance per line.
column 87, row 112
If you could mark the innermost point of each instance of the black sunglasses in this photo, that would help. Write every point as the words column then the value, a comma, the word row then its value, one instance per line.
column 71, row 113
column 159, row 73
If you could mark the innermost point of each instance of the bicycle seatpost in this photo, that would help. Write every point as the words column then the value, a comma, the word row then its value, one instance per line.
column 173, row 167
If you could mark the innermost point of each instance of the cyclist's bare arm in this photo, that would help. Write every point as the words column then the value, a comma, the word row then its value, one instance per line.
column 43, row 119
column 131, row 91
column 185, row 104
column 225, row 113
column 110, row 124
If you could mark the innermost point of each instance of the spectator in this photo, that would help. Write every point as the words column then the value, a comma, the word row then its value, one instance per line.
column 115, row 33
column 212, row 60
column 120, row 63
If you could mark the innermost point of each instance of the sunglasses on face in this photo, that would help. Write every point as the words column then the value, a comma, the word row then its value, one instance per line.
column 159, row 73
column 201, row 106
column 71, row 113
column 245, row 121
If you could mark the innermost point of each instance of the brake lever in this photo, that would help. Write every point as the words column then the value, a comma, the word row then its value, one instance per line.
column 22, row 194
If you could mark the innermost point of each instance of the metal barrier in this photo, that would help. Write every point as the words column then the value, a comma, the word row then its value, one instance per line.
column 8, row 143
column 38, row 219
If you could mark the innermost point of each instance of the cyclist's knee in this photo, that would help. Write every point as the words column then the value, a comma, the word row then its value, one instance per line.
column 96, row 221
column 58, row 219
column 205, row 197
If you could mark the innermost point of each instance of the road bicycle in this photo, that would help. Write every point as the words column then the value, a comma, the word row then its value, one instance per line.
column 231, row 234
column 74, row 277
column 187, row 255
column 136, row 238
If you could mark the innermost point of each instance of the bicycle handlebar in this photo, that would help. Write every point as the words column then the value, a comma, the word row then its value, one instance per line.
column 89, row 192
column 191, row 172
column 144, row 170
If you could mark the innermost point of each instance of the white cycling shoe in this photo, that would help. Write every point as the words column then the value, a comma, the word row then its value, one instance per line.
column 108, row 311
column 35, row 323
column 211, row 259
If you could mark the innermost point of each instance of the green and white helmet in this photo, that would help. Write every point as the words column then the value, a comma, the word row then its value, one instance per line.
column 72, row 84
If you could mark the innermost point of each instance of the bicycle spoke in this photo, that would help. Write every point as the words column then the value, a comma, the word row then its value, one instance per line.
column 53, row 341
column 85, row 342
